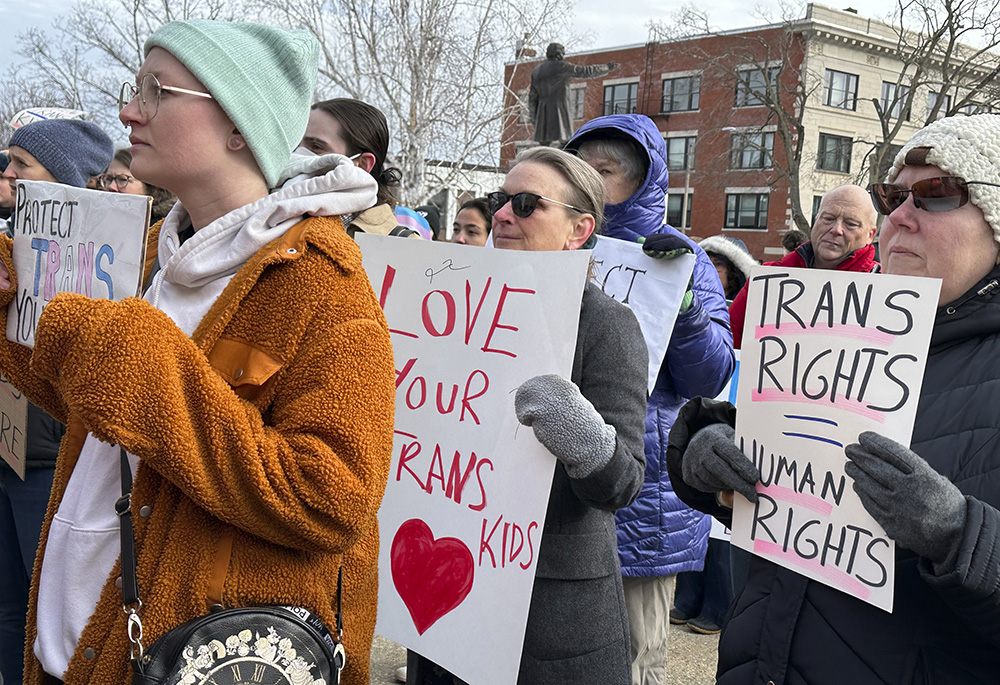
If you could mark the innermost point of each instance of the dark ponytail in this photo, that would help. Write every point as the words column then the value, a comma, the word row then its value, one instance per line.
column 364, row 129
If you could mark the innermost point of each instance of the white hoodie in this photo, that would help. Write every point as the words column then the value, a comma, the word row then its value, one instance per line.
column 83, row 541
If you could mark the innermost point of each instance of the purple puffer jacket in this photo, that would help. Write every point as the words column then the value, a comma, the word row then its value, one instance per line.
column 658, row 534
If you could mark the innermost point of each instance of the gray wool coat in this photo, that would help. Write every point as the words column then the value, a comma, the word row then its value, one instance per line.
column 577, row 628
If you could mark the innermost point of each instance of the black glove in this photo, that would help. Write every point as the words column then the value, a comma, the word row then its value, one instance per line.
column 713, row 463
column 612, row 66
column 664, row 245
column 919, row 508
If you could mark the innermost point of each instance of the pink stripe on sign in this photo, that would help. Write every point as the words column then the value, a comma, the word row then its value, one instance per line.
column 801, row 499
column 853, row 406
column 847, row 331
column 839, row 579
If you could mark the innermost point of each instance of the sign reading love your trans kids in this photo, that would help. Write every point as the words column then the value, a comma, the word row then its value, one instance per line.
column 70, row 239
column 826, row 356
column 652, row 288
column 468, row 487
column 13, row 423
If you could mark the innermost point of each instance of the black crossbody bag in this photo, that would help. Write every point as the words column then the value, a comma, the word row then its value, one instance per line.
column 267, row 644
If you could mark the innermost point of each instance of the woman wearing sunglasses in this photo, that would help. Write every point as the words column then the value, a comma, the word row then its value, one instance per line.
column 252, row 386
column 939, row 499
column 577, row 625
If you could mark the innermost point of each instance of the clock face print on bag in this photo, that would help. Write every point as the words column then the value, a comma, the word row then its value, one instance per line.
column 252, row 658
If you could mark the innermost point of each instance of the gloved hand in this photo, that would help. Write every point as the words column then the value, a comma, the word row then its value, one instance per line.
column 669, row 246
column 713, row 463
column 612, row 66
column 919, row 508
column 566, row 423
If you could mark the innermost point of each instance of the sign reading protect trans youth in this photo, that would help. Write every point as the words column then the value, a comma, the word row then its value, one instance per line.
column 75, row 240
column 826, row 356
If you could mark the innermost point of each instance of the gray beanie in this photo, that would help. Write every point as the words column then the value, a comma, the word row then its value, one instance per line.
column 967, row 147
column 71, row 150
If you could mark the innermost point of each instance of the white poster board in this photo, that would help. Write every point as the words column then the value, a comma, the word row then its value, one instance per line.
column 13, row 424
column 652, row 288
column 826, row 355
column 462, row 516
column 76, row 240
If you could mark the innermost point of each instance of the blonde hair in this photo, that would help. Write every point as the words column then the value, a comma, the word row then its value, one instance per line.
column 586, row 189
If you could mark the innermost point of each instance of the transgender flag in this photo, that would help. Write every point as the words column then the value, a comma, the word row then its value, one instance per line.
column 414, row 221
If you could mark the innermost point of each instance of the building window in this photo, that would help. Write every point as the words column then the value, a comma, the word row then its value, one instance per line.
column 681, row 94
column 932, row 99
column 576, row 97
column 751, row 88
column 751, row 150
column 841, row 90
column 977, row 108
column 893, row 98
column 680, row 153
column 746, row 210
column 678, row 215
column 621, row 98
column 834, row 153
column 817, row 199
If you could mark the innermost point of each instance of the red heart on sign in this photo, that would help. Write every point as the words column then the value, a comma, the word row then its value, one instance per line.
column 431, row 576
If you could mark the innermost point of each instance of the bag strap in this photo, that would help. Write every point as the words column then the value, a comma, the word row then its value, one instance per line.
column 130, row 582
column 402, row 232
column 220, row 570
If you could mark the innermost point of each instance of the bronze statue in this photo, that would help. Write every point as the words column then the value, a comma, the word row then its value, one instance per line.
column 548, row 100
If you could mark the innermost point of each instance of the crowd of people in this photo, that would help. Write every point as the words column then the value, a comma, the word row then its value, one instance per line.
column 250, row 391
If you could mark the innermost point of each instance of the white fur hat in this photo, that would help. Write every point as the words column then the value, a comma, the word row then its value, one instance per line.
column 968, row 147
column 739, row 256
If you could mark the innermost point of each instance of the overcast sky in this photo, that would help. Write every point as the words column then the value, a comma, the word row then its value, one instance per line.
column 624, row 25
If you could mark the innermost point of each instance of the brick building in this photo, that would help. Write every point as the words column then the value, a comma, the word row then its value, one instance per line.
column 703, row 94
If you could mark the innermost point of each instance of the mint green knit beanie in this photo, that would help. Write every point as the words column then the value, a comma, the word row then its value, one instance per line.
column 262, row 77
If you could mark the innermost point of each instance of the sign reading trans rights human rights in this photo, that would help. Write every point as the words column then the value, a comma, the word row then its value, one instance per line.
column 70, row 239
column 826, row 356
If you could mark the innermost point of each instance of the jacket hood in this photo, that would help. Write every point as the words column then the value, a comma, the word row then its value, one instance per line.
column 310, row 185
column 644, row 212
column 740, row 258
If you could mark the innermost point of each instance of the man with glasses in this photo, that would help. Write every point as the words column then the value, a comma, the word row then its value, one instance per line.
column 70, row 152
column 841, row 239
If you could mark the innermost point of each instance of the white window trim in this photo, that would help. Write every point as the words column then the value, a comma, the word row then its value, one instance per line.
column 679, row 134
column 771, row 128
column 757, row 65
column 748, row 191
column 620, row 81
column 680, row 74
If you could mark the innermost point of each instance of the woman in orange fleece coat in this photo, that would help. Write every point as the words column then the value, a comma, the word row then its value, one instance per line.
column 252, row 387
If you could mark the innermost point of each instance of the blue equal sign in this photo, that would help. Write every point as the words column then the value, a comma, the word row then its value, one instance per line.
column 809, row 436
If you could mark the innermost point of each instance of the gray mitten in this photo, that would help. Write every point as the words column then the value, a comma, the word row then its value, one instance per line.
column 919, row 508
column 713, row 463
column 566, row 423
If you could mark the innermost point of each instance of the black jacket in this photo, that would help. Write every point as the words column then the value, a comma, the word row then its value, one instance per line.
column 787, row 629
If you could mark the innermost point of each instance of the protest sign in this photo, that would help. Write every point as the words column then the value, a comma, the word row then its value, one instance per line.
column 13, row 424
column 70, row 239
column 826, row 355
column 468, row 487
column 651, row 288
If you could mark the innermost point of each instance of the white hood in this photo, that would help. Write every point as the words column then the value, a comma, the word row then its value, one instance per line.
column 194, row 274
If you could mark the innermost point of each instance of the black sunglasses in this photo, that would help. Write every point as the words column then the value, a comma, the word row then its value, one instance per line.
column 522, row 204
column 939, row 194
